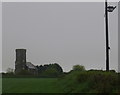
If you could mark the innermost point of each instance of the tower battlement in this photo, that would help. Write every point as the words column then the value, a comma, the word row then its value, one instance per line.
column 20, row 55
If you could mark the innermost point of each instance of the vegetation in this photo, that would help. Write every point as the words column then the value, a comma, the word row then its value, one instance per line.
column 47, row 70
column 50, row 70
column 78, row 68
column 77, row 80
column 29, row 85
column 24, row 72
column 90, row 82
column 10, row 70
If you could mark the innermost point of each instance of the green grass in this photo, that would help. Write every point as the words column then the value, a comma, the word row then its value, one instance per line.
column 30, row 85
column 74, row 82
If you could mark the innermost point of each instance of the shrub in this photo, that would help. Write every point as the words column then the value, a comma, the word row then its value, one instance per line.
column 10, row 71
column 24, row 72
column 78, row 68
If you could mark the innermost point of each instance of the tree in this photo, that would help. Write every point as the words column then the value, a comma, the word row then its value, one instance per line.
column 51, row 70
column 78, row 68
column 10, row 70
column 24, row 72
column 58, row 67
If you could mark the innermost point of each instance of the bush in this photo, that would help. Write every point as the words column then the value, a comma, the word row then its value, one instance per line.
column 10, row 71
column 50, row 70
column 24, row 72
column 101, row 82
column 78, row 68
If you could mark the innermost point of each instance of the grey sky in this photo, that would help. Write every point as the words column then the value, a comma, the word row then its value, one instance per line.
column 66, row 33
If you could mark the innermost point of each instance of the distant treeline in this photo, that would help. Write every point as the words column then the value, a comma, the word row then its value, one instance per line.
column 53, row 70
column 47, row 70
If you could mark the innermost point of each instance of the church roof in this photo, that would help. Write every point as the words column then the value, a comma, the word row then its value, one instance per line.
column 30, row 65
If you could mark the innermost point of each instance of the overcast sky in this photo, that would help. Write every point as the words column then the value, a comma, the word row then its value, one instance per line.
column 65, row 33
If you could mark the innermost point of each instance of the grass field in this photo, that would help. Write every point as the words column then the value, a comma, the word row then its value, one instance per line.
column 74, row 82
column 30, row 85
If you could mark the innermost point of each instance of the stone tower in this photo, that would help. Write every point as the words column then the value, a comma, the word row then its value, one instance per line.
column 20, row 63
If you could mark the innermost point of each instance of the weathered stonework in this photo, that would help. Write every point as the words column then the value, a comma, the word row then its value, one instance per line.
column 21, row 64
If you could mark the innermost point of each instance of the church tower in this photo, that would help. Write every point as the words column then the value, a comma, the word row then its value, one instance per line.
column 20, row 63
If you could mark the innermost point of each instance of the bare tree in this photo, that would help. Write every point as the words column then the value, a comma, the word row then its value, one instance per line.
column 10, row 70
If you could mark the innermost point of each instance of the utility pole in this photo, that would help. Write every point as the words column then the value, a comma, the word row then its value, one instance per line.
column 107, row 9
column 107, row 38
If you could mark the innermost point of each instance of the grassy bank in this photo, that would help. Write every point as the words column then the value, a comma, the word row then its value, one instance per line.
column 90, row 82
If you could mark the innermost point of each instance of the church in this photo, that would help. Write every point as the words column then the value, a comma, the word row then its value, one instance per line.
column 22, row 65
